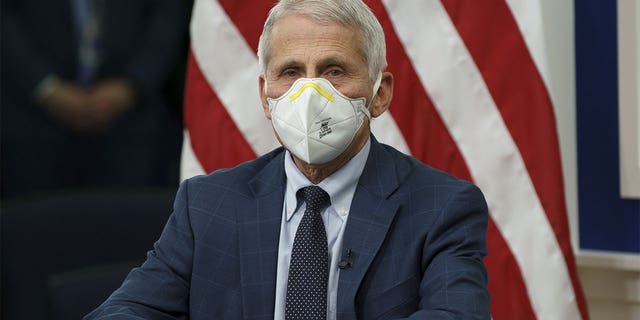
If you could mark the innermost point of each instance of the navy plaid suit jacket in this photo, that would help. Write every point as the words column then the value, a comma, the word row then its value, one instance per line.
column 416, row 238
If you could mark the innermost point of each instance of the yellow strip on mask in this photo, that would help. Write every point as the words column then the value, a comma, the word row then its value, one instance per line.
column 325, row 94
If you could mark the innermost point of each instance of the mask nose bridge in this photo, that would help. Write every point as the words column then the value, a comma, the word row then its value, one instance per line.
column 314, row 86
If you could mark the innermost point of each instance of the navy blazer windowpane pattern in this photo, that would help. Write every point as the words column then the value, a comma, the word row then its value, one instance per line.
column 416, row 238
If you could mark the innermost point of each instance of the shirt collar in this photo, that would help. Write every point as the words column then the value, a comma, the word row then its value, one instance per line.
column 340, row 185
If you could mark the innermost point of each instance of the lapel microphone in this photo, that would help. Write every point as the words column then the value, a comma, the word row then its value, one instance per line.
column 346, row 263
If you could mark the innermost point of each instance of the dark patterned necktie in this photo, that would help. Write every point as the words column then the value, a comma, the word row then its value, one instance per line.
column 309, row 267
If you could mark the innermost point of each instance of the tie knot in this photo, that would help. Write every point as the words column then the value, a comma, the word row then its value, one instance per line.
column 316, row 198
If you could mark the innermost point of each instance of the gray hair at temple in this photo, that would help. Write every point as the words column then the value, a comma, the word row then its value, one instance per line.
column 350, row 13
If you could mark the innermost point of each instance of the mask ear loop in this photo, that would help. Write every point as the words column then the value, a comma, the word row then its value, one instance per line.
column 376, row 86
column 365, row 109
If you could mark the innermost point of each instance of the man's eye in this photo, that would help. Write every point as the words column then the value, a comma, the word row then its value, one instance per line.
column 335, row 72
column 289, row 73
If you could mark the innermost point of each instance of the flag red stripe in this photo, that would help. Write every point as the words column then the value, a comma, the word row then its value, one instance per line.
column 414, row 112
column 249, row 21
column 431, row 143
column 509, row 298
column 215, row 139
column 518, row 90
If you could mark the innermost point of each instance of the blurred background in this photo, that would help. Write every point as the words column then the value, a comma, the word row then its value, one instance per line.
column 92, row 128
column 91, row 131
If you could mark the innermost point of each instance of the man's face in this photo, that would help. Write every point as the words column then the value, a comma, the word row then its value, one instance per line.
column 303, row 48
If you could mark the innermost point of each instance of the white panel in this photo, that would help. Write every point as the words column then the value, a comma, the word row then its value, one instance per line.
column 629, row 100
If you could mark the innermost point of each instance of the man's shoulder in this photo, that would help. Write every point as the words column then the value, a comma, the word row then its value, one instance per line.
column 429, row 186
column 413, row 171
column 238, row 177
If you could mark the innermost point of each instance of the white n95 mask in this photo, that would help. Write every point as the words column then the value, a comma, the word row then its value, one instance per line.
column 315, row 121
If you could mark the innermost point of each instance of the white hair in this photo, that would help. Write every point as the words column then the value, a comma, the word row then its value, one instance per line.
column 351, row 13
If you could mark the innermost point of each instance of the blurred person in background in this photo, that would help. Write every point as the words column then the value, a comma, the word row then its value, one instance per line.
column 84, row 99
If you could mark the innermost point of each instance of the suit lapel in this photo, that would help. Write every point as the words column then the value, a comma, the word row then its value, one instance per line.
column 259, row 221
column 259, row 218
column 372, row 212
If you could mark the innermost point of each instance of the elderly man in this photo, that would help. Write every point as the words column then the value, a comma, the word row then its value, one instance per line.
column 334, row 225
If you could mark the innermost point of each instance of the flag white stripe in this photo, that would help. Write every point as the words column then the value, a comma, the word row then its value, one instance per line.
column 386, row 131
column 474, row 121
column 189, row 164
column 231, row 68
column 528, row 16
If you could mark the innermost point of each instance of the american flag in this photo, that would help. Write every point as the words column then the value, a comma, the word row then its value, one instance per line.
column 471, row 98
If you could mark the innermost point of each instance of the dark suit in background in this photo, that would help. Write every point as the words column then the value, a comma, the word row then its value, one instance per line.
column 416, row 238
column 141, row 42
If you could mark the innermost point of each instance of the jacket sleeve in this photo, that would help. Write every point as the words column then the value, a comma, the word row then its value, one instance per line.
column 159, row 289
column 454, row 283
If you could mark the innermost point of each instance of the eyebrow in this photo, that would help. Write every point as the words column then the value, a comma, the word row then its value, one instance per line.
column 330, row 61
column 296, row 64
column 288, row 64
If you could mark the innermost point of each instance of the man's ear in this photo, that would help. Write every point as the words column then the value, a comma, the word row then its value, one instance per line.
column 382, row 98
column 263, row 96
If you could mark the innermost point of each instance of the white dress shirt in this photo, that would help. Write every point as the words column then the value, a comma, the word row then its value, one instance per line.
column 341, row 186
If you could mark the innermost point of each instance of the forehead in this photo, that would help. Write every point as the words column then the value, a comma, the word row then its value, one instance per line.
column 300, row 38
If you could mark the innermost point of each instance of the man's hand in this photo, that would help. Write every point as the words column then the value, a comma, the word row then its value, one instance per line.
column 68, row 104
column 89, row 110
column 109, row 99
